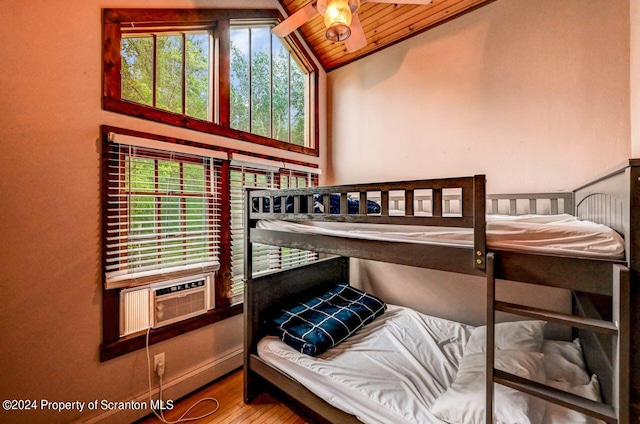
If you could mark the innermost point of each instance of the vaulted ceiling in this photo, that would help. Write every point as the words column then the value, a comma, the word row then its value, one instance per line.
column 384, row 24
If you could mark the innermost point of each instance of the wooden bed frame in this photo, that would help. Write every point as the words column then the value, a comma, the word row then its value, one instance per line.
column 609, row 199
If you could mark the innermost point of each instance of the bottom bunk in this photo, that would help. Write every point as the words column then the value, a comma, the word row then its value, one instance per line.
column 406, row 366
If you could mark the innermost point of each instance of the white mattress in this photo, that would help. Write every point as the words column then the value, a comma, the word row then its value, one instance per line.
column 394, row 369
column 371, row 373
column 563, row 235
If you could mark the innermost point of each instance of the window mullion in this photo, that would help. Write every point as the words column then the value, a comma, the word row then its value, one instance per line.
column 271, row 85
column 222, row 46
column 250, row 82
column 155, row 70
column 184, row 74
column 289, row 99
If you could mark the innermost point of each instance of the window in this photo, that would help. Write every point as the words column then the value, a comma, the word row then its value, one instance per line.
column 268, row 93
column 162, row 219
column 215, row 71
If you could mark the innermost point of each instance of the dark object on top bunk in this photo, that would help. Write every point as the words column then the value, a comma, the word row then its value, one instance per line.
column 353, row 205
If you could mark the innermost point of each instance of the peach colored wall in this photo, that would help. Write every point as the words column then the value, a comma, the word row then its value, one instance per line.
column 50, row 113
column 635, row 77
column 534, row 94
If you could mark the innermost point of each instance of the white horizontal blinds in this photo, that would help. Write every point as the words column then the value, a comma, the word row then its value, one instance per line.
column 265, row 257
column 163, row 215
column 290, row 257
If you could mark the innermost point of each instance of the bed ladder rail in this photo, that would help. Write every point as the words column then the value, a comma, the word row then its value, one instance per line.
column 589, row 407
column 618, row 328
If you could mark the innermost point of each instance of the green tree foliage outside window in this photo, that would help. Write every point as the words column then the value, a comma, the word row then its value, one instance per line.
column 175, row 60
column 169, row 214
column 267, row 87
column 172, row 72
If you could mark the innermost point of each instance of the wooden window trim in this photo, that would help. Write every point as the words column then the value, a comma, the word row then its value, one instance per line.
column 131, row 343
column 115, row 19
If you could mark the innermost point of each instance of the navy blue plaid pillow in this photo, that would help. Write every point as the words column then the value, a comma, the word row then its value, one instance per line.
column 322, row 322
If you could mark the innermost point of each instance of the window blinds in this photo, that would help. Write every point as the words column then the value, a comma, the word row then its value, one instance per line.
column 290, row 257
column 162, row 215
column 265, row 258
column 242, row 176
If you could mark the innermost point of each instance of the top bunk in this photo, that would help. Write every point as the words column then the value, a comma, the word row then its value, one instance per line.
column 447, row 224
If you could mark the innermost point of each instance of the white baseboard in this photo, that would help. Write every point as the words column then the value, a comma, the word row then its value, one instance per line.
column 173, row 389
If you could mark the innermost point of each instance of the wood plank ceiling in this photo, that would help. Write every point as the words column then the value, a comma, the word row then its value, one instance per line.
column 384, row 24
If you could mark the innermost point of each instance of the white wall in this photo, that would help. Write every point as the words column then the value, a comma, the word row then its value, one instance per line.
column 534, row 94
column 51, row 317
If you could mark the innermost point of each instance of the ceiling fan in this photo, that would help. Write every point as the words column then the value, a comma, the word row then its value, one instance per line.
column 340, row 18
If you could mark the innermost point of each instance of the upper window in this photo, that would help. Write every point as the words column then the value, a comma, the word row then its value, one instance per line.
column 216, row 71
column 268, row 86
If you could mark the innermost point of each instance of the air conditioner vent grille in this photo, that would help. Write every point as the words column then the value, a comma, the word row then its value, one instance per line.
column 179, row 302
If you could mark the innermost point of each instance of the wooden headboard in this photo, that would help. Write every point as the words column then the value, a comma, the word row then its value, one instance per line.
column 609, row 200
column 264, row 294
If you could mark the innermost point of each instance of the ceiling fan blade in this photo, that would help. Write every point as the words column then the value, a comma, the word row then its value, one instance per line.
column 422, row 2
column 321, row 5
column 357, row 39
column 295, row 21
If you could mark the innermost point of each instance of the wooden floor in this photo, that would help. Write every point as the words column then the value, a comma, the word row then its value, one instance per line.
column 265, row 409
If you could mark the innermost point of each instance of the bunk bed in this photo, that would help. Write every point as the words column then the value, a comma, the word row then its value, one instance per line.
column 609, row 200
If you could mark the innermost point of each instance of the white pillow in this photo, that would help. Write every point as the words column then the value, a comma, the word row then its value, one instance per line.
column 564, row 362
column 518, row 335
column 558, row 414
column 464, row 400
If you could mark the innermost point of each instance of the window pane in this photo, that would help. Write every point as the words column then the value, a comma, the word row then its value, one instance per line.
column 261, row 81
column 142, row 215
column 137, row 69
column 168, row 176
column 280, row 109
column 297, row 104
column 195, row 215
column 169, row 73
column 240, row 79
column 198, row 76
column 169, row 216
column 194, row 178
column 140, row 172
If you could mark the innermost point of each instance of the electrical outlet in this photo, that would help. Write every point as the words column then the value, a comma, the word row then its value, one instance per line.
column 158, row 363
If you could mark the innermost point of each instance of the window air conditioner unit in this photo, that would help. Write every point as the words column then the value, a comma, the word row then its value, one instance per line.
column 164, row 303
column 181, row 299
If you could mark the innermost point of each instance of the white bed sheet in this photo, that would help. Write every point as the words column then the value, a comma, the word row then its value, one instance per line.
column 563, row 234
column 419, row 355
column 418, row 361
